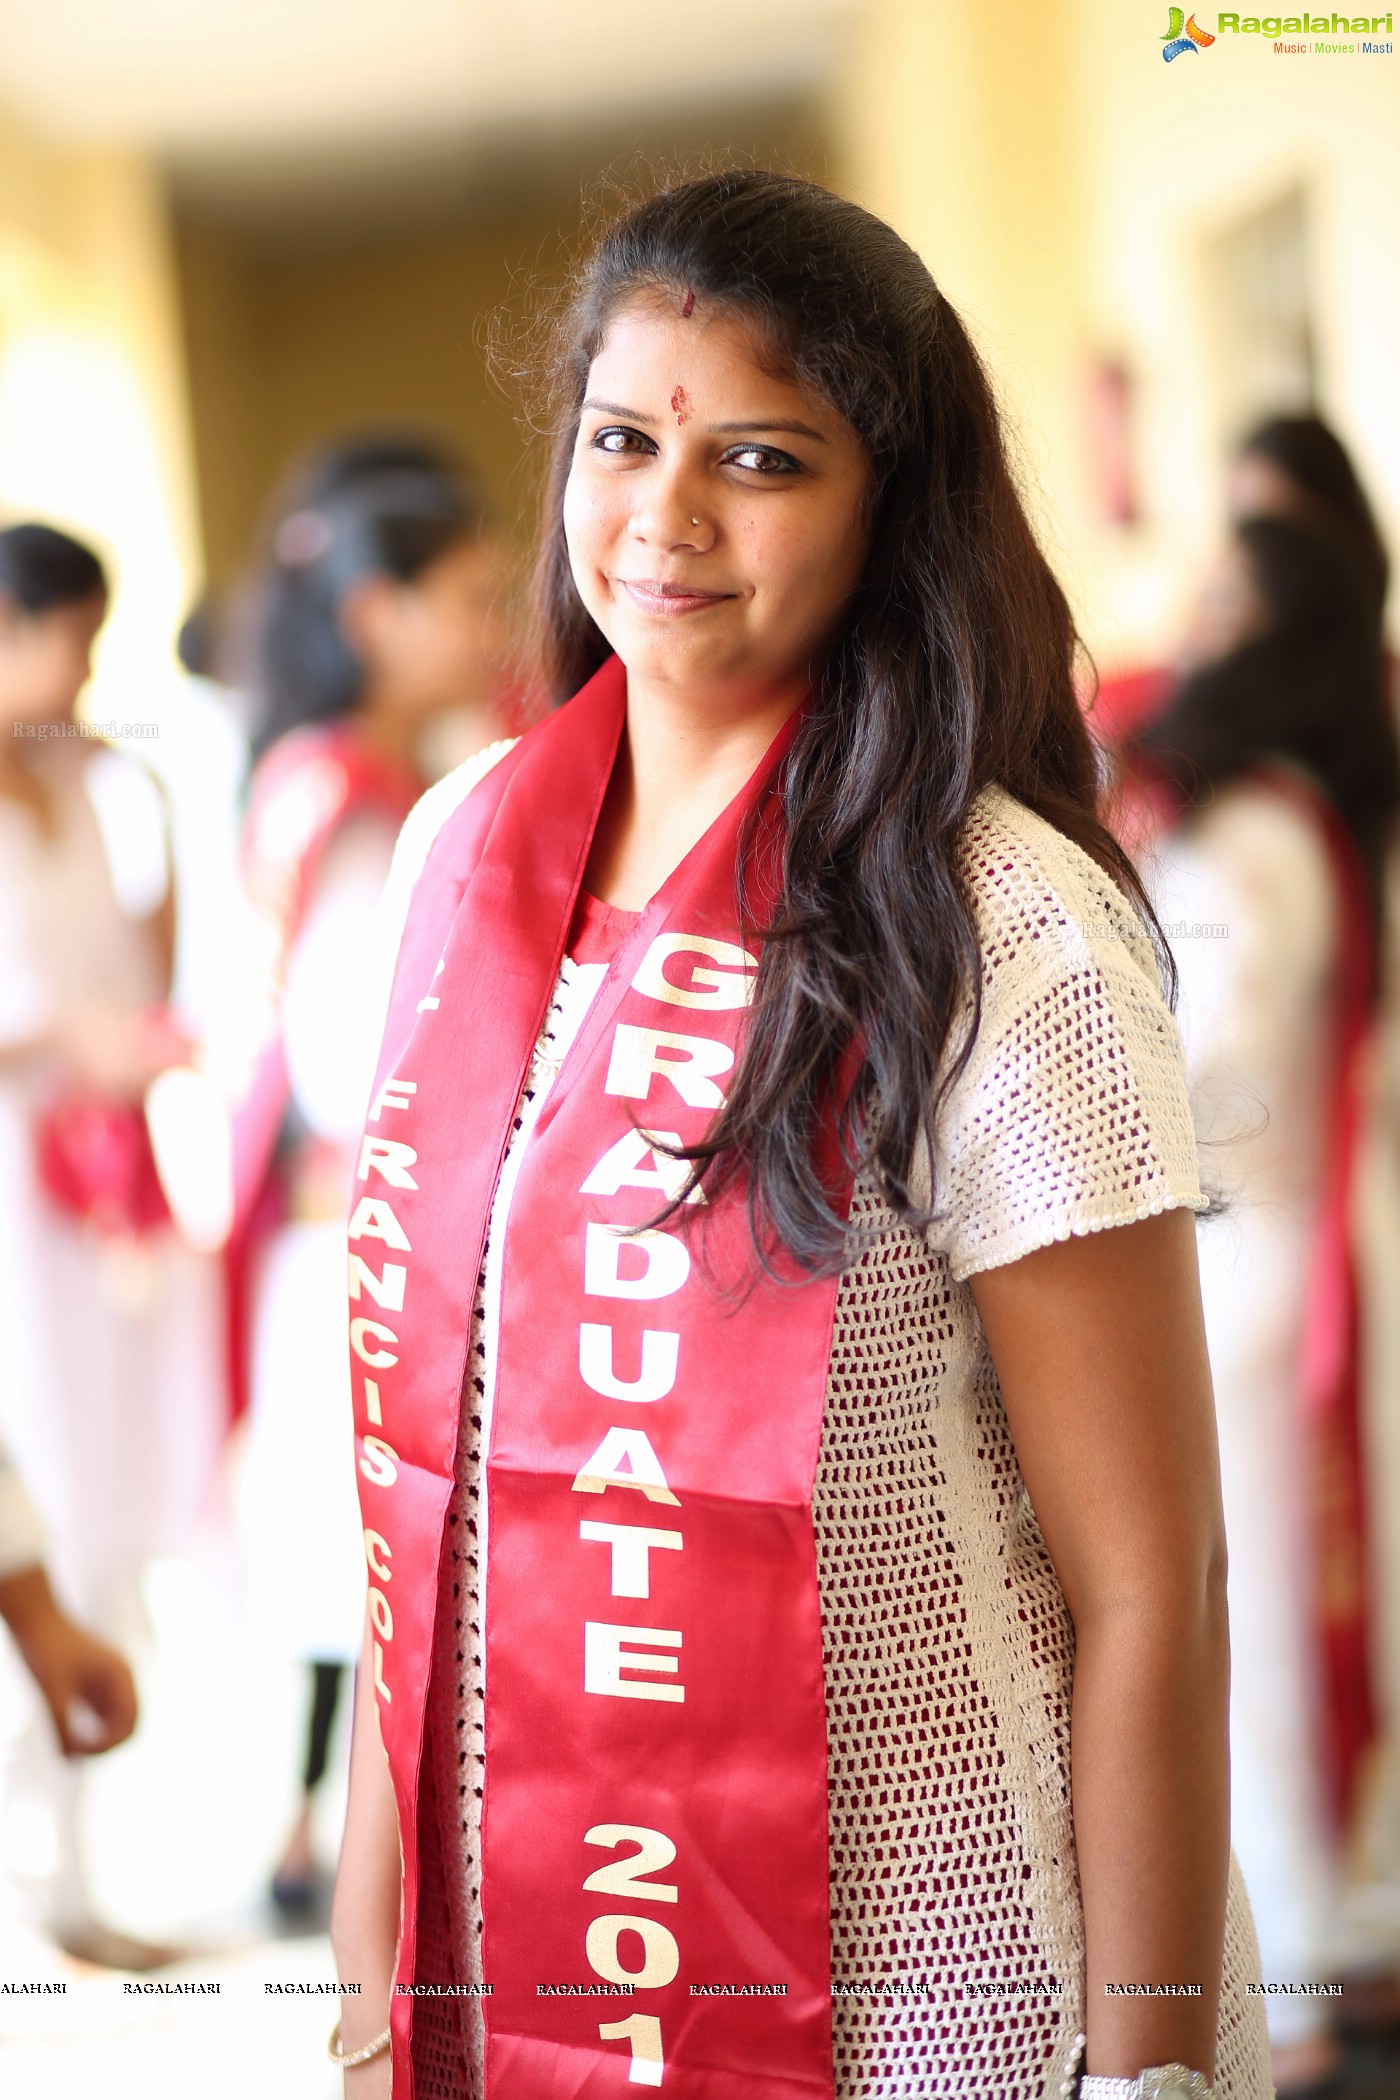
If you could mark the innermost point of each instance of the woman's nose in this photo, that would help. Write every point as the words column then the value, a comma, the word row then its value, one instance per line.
column 670, row 515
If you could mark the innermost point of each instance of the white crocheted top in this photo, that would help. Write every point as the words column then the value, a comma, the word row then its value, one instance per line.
column 957, row 1929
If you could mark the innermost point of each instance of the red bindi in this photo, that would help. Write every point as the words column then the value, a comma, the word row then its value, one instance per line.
column 680, row 405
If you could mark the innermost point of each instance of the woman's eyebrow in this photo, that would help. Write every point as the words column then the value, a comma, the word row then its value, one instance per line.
column 615, row 408
column 776, row 423
column 634, row 415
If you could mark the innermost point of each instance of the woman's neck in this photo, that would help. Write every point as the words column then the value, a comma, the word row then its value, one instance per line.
column 23, row 781
column 390, row 731
column 683, row 760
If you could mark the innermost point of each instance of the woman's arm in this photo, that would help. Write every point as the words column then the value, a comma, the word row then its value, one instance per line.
column 368, row 1882
column 1099, row 1345
column 336, row 988
column 87, row 1687
column 112, row 1049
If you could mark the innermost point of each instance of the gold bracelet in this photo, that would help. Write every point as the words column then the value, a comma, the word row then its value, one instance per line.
column 347, row 2059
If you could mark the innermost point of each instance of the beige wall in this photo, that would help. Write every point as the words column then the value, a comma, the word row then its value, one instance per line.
column 93, row 422
column 1063, row 182
column 1176, row 153
column 287, row 351
column 950, row 122
column 292, row 340
column 1064, row 189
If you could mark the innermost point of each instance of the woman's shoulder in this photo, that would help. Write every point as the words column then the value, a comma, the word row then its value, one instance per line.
column 421, row 827
column 433, row 808
column 1256, row 859
column 1269, row 836
column 1043, row 904
column 1070, row 1114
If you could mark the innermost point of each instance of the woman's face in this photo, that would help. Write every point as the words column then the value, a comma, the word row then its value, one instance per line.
column 1257, row 487
column 46, row 657
column 435, row 642
column 716, row 515
column 1230, row 611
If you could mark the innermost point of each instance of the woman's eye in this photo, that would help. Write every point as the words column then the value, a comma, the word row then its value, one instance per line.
column 761, row 459
column 617, row 439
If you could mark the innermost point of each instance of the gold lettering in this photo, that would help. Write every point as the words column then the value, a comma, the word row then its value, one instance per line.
column 379, row 1685
column 692, row 1063
column 631, row 1544
column 388, row 1094
column 629, row 1447
column 385, row 1290
column 379, row 1462
column 377, row 1359
column 390, row 1160
column 666, row 1263
column 373, row 1219
column 606, row 1655
column 722, row 990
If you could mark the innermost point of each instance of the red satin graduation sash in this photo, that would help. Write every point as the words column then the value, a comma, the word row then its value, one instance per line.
column 1330, row 1359
column 654, row 1838
column 311, row 783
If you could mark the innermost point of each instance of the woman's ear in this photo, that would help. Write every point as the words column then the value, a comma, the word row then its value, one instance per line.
column 367, row 618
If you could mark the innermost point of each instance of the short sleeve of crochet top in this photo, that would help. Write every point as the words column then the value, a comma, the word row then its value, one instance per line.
column 1072, row 1114
column 956, row 1923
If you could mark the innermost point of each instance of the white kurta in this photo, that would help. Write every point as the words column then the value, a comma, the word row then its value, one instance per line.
column 111, row 1390
column 301, row 1514
column 957, row 1927
column 1248, row 901
column 110, row 1399
column 21, row 1533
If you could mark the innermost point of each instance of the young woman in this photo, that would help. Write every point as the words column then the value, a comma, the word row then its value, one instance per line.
column 1281, row 760
column 108, row 1398
column 769, row 1455
column 377, row 613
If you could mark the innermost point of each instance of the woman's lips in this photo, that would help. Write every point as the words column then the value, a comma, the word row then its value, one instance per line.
column 670, row 599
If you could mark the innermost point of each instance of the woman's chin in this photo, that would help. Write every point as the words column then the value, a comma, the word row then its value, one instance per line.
column 679, row 658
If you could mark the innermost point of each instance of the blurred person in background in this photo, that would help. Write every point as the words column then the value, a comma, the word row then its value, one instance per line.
column 1279, row 760
column 377, row 612
column 203, row 757
column 1296, row 467
column 108, row 1320
column 1288, row 467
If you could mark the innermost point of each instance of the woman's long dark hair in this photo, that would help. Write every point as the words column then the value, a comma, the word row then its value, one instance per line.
column 1310, row 689
column 954, row 671
column 375, row 505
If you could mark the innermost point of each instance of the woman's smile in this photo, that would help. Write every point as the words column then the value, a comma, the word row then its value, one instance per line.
column 670, row 600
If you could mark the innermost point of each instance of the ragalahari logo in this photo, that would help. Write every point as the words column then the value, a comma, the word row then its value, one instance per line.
column 1183, row 35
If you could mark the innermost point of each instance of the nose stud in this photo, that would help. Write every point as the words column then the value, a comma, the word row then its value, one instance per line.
column 695, row 521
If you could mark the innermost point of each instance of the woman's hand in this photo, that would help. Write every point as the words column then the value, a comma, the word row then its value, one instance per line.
column 371, row 2081
column 368, row 1886
column 86, row 1686
column 116, row 1051
column 1099, row 1345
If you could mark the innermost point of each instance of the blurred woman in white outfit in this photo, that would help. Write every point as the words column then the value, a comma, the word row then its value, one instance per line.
column 378, row 615
column 110, row 1397
column 1280, row 755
